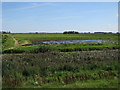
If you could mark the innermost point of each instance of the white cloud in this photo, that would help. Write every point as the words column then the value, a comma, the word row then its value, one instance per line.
column 108, row 28
column 36, row 4
column 64, row 17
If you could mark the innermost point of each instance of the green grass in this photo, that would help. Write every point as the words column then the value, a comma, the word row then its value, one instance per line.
column 64, row 36
column 7, row 42
column 84, row 84
column 23, row 70
column 81, row 84
column 62, row 48
column 60, row 65
column 37, row 38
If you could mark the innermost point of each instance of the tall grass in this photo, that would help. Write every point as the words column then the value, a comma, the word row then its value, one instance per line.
column 59, row 67
column 61, row 47
column 66, row 64
column 7, row 42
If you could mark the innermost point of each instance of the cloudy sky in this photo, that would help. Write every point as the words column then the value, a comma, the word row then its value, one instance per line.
column 23, row 17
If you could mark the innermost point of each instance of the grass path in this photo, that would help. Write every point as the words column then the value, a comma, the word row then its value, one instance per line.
column 9, row 42
column 16, row 42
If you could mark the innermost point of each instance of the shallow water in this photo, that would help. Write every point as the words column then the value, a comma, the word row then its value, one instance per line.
column 77, row 41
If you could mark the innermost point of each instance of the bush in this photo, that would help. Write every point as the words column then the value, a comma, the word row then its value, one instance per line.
column 30, row 71
column 43, row 71
column 93, row 66
column 66, row 50
column 26, row 73
column 41, row 49
column 4, row 38
column 13, row 51
column 68, row 68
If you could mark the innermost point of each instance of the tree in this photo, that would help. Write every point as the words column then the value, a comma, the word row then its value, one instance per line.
column 70, row 32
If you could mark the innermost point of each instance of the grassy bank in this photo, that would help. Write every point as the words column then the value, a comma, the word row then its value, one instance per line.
column 61, row 47
column 7, row 41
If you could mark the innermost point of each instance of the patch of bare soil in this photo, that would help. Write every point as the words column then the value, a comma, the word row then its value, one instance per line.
column 16, row 42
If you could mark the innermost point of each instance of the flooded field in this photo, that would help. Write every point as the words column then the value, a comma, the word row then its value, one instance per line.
column 77, row 41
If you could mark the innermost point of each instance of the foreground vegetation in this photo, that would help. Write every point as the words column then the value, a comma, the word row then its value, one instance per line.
column 62, row 69
column 27, row 64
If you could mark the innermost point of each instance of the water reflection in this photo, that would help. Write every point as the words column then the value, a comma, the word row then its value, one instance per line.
column 77, row 41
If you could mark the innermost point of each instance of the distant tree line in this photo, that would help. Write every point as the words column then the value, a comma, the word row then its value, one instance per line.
column 5, row 32
column 65, row 32
column 70, row 32
column 103, row 32
column 106, row 32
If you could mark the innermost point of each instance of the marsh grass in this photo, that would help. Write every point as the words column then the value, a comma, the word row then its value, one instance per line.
column 61, row 68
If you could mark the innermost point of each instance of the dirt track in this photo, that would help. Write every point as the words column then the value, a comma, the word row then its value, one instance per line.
column 16, row 42
column 26, row 42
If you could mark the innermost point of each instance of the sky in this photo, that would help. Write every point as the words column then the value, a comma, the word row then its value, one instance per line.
column 52, row 17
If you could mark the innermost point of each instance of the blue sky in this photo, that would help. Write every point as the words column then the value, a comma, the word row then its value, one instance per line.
column 23, row 17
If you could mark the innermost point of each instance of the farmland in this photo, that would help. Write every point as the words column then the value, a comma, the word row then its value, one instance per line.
column 29, row 63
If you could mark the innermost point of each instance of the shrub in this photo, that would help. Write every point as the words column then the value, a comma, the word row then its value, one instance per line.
column 26, row 73
column 13, row 51
column 42, row 49
column 93, row 66
column 30, row 71
column 68, row 68
column 43, row 71
column 66, row 50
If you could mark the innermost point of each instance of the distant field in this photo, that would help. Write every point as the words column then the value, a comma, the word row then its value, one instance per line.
column 22, row 39
column 55, row 36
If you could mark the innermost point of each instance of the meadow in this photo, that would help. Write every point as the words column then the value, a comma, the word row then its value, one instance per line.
column 36, row 45
column 29, row 63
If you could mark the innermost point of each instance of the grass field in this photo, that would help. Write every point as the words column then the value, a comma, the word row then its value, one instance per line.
column 91, row 65
column 34, row 38
column 23, row 39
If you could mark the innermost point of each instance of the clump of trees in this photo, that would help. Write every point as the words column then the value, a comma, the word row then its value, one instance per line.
column 104, row 32
column 118, row 32
column 70, row 32
column 5, row 32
